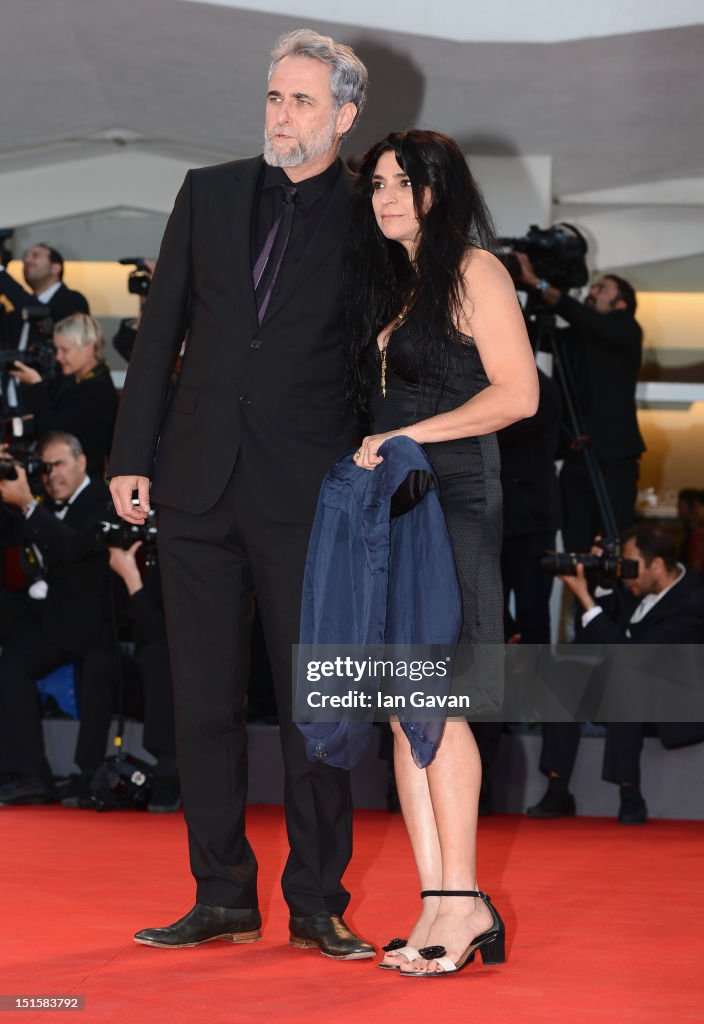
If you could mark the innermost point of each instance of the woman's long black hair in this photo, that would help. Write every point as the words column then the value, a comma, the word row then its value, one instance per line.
column 379, row 280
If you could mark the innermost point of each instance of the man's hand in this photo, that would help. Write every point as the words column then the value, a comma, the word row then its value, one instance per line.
column 579, row 587
column 124, row 563
column 16, row 492
column 121, row 488
column 25, row 374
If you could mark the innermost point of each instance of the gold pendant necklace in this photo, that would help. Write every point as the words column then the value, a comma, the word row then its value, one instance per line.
column 395, row 324
column 383, row 368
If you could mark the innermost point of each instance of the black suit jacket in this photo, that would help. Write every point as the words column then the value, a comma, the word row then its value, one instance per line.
column 86, row 408
column 270, row 395
column 677, row 618
column 604, row 351
column 75, row 614
column 63, row 303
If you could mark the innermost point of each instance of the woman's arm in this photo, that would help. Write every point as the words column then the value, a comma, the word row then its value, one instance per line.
column 492, row 315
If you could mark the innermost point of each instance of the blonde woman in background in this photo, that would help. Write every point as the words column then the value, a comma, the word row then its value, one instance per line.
column 81, row 400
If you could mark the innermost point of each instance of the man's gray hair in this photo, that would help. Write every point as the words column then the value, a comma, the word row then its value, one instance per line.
column 61, row 437
column 348, row 76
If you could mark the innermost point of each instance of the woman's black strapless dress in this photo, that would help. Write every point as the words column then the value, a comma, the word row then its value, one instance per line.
column 468, row 471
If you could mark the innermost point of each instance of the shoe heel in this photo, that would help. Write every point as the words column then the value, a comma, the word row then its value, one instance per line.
column 300, row 943
column 242, row 937
column 494, row 952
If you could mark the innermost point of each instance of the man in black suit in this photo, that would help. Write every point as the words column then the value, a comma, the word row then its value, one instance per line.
column 664, row 604
column 602, row 348
column 43, row 269
column 65, row 611
column 250, row 266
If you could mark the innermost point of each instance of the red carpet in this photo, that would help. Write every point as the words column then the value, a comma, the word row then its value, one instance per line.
column 603, row 924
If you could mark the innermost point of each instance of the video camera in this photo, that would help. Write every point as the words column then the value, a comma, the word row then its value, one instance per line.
column 608, row 567
column 557, row 254
column 23, row 455
column 140, row 279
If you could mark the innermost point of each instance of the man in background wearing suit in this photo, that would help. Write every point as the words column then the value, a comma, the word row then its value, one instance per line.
column 250, row 267
column 43, row 269
column 664, row 604
column 603, row 348
column 65, row 611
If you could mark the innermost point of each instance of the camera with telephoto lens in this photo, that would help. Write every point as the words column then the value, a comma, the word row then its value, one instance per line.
column 39, row 356
column 557, row 255
column 608, row 567
column 24, row 455
column 140, row 279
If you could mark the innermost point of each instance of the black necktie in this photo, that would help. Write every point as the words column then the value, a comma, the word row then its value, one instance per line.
column 266, row 269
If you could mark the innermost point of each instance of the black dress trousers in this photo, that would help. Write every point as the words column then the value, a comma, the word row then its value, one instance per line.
column 228, row 555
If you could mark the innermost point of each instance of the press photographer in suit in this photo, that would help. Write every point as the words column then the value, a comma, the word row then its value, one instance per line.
column 603, row 349
column 250, row 265
column 135, row 681
column 83, row 401
column 43, row 269
column 65, row 611
column 664, row 604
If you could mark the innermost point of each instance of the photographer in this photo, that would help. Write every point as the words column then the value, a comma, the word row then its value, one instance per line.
column 138, row 284
column 83, row 401
column 603, row 348
column 663, row 604
column 43, row 268
column 104, row 672
column 64, row 612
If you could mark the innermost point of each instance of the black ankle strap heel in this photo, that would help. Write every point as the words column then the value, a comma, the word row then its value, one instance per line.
column 492, row 943
column 456, row 892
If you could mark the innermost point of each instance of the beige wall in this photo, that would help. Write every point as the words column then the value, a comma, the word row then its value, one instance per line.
column 675, row 443
column 103, row 284
column 673, row 327
column 673, row 320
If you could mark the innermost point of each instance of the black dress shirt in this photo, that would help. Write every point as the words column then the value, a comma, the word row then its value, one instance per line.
column 311, row 200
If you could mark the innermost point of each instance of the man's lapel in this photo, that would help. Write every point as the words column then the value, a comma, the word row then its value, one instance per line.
column 240, row 196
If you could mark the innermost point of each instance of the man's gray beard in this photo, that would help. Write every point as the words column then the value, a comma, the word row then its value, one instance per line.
column 298, row 154
column 294, row 157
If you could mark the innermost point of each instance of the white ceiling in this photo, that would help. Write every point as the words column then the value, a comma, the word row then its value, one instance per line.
column 176, row 80
column 506, row 21
column 611, row 111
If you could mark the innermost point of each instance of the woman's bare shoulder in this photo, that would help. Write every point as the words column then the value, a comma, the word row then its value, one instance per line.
column 482, row 270
column 481, row 261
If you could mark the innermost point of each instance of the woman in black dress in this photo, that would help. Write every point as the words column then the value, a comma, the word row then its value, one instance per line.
column 439, row 353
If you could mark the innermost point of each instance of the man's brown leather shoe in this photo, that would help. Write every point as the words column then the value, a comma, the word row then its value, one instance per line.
column 204, row 924
column 331, row 936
